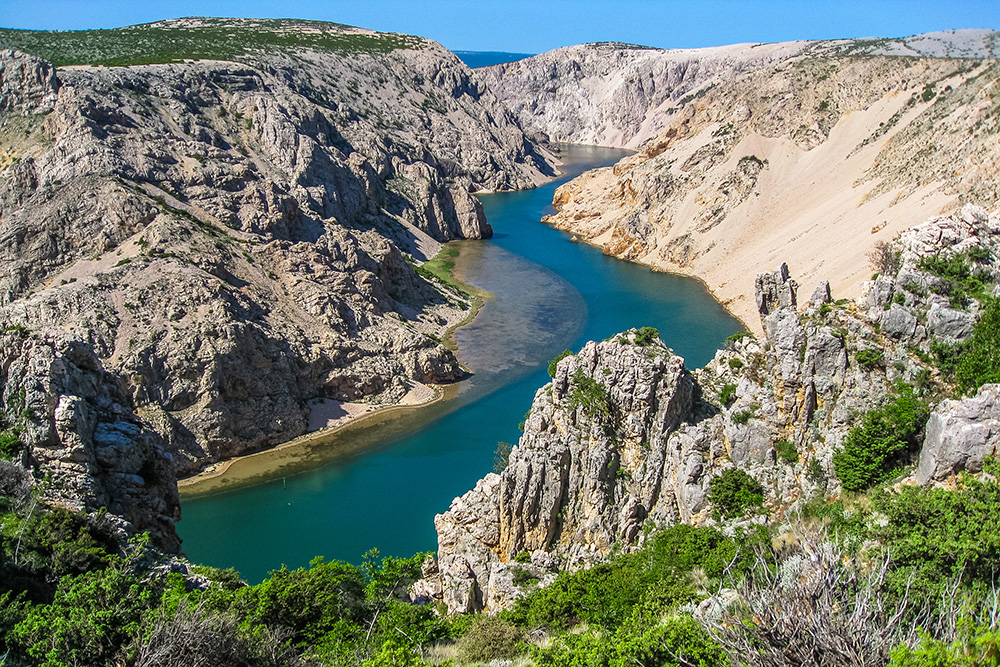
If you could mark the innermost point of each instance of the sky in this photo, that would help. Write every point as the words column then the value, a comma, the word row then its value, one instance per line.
column 534, row 26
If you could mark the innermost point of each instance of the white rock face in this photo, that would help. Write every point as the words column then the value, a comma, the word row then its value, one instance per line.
column 961, row 434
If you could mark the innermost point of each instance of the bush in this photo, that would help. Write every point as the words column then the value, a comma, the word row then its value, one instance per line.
column 885, row 259
column 742, row 417
column 733, row 493
column 195, row 636
column 592, row 398
column 935, row 535
column 646, row 335
column 869, row 358
column 559, row 357
column 501, row 456
column 884, row 435
column 980, row 363
column 490, row 638
column 786, row 451
column 727, row 395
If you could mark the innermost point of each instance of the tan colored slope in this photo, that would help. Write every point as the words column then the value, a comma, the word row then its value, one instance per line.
column 810, row 163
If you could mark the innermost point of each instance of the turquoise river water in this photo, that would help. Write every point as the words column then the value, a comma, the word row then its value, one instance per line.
column 550, row 294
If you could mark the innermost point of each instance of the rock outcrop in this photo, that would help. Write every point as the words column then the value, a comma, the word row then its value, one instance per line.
column 80, row 435
column 236, row 237
column 624, row 439
column 961, row 434
column 755, row 154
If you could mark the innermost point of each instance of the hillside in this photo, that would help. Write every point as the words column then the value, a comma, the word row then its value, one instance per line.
column 235, row 237
column 754, row 154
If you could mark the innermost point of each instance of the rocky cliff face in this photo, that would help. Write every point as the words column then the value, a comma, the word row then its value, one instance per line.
column 623, row 95
column 624, row 438
column 234, row 238
column 79, row 434
column 753, row 155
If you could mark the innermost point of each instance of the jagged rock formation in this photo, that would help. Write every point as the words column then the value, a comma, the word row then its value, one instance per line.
column 235, row 237
column 81, row 436
column 755, row 154
column 625, row 438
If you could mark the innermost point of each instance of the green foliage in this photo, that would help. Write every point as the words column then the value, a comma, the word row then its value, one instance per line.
column 646, row 335
column 92, row 616
column 960, row 283
column 736, row 363
column 933, row 535
column 978, row 645
column 214, row 39
column 592, row 398
column 869, row 359
column 815, row 473
column 491, row 638
column 559, row 357
column 743, row 416
column 980, row 362
column 928, row 93
column 947, row 356
column 883, row 437
column 522, row 557
column 736, row 337
column 607, row 594
column 786, row 451
column 393, row 654
column 733, row 493
column 310, row 602
column 49, row 543
column 727, row 395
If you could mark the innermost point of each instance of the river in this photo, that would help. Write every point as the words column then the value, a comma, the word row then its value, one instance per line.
column 549, row 294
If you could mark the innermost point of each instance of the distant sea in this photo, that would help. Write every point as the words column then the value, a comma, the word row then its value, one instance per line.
column 486, row 58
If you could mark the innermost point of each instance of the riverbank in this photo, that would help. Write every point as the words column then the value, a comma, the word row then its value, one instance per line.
column 337, row 418
column 331, row 420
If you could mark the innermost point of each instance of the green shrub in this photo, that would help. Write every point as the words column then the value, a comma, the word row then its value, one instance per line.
column 884, row 435
column 935, row 535
column 960, row 283
column 869, row 358
column 977, row 647
column 742, row 417
column 733, row 493
column 646, row 335
column 786, row 451
column 490, row 638
column 736, row 337
column 727, row 395
column 592, row 398
column 559, row 357
column 980, row 362
column 736, row 364
column 501, row 457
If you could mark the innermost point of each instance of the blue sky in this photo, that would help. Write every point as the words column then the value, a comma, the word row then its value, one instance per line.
column 533, row 26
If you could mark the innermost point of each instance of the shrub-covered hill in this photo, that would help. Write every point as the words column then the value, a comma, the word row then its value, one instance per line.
column 241, row 40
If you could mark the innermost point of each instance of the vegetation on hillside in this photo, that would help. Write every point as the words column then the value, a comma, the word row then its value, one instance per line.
column 199, row 39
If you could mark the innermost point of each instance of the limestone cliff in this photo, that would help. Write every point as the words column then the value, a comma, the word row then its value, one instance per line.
column 755, row 154
column 625, row 439
column 236, row 235
column 79, row 434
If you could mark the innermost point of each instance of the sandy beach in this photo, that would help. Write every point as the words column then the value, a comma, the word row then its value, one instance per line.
column 328, row 419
